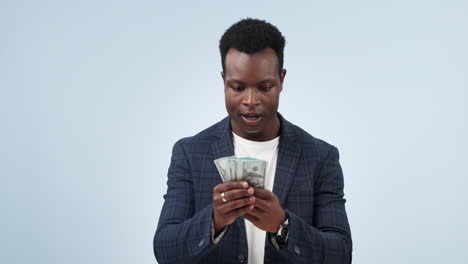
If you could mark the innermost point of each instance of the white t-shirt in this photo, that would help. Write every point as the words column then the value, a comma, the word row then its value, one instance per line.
column 268, row 151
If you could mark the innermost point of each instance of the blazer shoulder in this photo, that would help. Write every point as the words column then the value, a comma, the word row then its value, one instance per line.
column 201, row 140
column 313, row 147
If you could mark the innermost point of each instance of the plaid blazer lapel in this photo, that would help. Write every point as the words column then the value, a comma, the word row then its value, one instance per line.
column 223, row 146
column 288, row 156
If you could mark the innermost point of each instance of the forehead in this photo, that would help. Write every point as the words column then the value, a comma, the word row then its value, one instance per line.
column 262, row 64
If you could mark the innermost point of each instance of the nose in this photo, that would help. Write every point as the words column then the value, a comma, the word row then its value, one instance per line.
column 251, row 97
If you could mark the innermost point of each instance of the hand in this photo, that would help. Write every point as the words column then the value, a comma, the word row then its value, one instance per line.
column 239, row 198
column 267, row 214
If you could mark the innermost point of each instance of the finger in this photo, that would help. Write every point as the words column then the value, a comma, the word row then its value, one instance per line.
column 238, row 193
column 263, row 193
column 251, row 218
column 239, row 212
column 232, row 195
column 233, row 205
column 263, row 205
column 223, row 187
column 257, row 213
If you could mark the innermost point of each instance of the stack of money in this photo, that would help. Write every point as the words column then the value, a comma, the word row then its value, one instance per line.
column 242, row 169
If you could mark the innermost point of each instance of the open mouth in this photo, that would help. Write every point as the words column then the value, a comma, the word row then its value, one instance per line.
column 251, row 119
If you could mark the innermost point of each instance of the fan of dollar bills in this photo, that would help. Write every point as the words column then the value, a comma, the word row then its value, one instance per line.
column 242, row 169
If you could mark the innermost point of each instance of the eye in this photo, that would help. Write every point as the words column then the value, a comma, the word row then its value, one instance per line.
column 266, row 88
column 237, row 88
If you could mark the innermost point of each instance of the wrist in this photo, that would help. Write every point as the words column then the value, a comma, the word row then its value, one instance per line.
column 283, row 218
column 217, row 227
column 282, row 235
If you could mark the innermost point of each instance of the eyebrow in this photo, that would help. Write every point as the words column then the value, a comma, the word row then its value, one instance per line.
column 240, row 82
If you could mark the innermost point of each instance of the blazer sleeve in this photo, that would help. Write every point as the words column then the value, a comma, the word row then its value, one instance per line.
column 328, row 239
column 182, row 236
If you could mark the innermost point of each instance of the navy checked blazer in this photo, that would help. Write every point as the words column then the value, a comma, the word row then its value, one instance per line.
column 308, row 183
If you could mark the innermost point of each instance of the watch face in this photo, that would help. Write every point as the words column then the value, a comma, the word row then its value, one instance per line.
column 283, row 231
column 283, row 228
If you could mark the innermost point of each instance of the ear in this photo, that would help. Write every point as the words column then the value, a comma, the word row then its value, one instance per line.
column 282, row 76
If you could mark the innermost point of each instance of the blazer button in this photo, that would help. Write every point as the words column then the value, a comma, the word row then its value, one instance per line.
column 201, row 243
column 241, row 258
column 297, row 250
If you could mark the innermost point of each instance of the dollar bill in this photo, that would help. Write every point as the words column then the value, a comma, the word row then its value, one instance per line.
column 222, row 166
column 253, row 171
column 236, row 169
column 232, row 166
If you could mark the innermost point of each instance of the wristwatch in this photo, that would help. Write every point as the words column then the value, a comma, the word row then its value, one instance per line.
column 282, row 235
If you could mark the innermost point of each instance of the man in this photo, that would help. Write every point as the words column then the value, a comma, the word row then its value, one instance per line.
column 299, row 217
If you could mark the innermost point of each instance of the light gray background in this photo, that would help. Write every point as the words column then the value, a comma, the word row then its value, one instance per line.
column 95, row 93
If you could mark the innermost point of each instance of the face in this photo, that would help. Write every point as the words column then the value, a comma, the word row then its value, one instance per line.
column 252, row 87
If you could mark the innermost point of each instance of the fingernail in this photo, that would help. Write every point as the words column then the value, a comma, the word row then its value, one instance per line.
column 252, row 199
column 244, row 184
column 251, row 207
column 251, row 190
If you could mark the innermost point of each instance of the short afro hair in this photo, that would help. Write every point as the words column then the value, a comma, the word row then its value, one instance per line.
column 250, row 36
